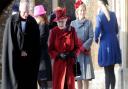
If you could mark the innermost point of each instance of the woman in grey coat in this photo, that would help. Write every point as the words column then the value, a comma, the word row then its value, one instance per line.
column 85, row 34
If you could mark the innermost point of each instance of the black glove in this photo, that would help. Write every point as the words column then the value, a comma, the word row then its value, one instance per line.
column 62, row 56
column 71, row 54
column 97, row 40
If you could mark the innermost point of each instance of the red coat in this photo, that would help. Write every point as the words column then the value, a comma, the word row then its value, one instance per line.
column 62, row 41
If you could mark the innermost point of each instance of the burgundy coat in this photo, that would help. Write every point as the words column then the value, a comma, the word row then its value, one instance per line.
column 63, row 41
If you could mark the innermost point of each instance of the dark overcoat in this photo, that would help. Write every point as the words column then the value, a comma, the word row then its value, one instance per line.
column 20, row 72
column 45, row 62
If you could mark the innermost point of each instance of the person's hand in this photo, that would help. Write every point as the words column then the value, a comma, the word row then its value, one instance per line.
column 120, row 65
column 97, row 41
column 62, row 56
column 87, row 52
column 83, row 49
column 71, row 54
column 23, row 54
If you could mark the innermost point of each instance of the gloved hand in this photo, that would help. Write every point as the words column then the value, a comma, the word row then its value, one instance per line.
column 62, row 56
column 71, row 54
column 87, row 52
column 97, row 40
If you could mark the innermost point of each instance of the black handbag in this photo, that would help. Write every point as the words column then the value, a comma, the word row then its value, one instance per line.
column 77, row 71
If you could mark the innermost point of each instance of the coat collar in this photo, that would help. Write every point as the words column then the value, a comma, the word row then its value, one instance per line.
column 81, row 22
column 17, row 18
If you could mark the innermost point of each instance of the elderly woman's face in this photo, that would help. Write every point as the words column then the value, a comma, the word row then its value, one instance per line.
column 81, row 13
column 62, row 23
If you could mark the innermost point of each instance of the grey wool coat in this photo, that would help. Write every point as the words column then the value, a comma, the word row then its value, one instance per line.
column 84, row 30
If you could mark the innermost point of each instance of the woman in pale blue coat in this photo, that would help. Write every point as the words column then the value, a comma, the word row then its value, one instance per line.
column 85, row 34
column 109, row 51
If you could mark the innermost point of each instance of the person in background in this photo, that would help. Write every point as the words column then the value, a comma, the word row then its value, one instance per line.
column 21, row 50
column 109, row 52
column 51, row 18
column 45, row 73
column 84, row 30
column 63, row 49
column 15, row 9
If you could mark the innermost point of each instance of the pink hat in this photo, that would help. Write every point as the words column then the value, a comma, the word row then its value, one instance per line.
column 39, row 10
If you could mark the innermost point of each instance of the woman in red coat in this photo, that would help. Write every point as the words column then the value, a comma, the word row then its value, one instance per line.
column 63, row 48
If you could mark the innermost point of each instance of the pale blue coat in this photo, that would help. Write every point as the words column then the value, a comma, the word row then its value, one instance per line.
column 84, row 30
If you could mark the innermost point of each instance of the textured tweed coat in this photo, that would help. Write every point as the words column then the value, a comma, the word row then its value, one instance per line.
column 85, row 34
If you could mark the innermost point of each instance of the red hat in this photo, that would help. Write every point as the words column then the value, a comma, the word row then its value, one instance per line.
column 77, row 4
column 60, row 13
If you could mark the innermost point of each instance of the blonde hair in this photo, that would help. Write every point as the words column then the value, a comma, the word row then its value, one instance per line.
column 83, row 6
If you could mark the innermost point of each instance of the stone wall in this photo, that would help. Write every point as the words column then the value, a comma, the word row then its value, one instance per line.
column 91, row 14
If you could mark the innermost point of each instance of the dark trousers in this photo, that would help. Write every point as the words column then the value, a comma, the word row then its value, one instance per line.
column 109, row 77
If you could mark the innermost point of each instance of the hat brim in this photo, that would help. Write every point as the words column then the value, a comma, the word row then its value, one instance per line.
column 57, row 19
column 35, row 15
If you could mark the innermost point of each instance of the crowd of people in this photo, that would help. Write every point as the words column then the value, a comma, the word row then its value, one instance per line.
column 38, row 49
